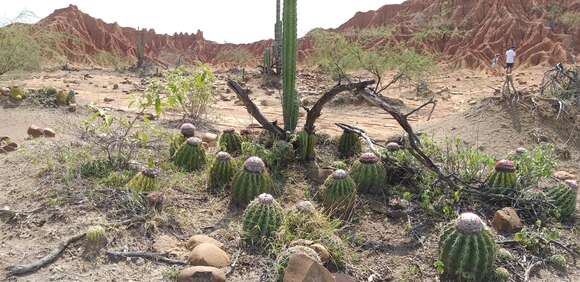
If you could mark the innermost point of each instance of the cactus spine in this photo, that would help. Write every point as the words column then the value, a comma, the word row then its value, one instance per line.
column 251, row 181
column 231, row 141
column 349, row 145
column 221, row 172
column 277, row 48
column 369, row 174
column 187, row 130
column 191, row 155
column 145, row 181
column 503, row 179
column 289, row 41
column 262, row 218
column 467, row 250
column 306, row 143
column 338, row 192
column 563, row 196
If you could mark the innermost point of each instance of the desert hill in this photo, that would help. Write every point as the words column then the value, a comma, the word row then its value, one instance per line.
column 469, row 32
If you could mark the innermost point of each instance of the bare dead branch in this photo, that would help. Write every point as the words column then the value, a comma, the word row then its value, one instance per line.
column 393, row 81
column 255, row 111
column 430, row 102
column 146, row 255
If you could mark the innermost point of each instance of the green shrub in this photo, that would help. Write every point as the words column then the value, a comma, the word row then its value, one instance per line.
column 535, row 164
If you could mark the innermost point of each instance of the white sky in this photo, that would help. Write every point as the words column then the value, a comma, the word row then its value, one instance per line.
column 235, row 21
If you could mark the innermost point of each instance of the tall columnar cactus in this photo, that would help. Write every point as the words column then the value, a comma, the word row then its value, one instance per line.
column 305, row 142
column 277, row 46
column 231, row 141
column 187, row 130
column 467, row 250
column 191, row 155
column 503, row 179
column 369, row 174
column 267, row 61
column 338, row 192
column 221, row 172
column 252, row 180
column 284, row 258
column 349, row 145
column 145, row 181
column 262, row 218
column 289, row 42
column 563, row 196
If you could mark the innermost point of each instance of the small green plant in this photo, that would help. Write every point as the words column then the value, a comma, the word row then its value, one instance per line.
column 535, row 164
column 95, row 234
column 536, row 238
column 230, row 141
column 349, row 145
column 502, row 274
column 145, row 181
column 191, row 155
column 252, row 180
column 96, row 168
column 221, row 172
column 262, row 218
column 467, row 250
column 17, row 94
column 571, row 19
column 338, row 193
column 369, row 174
column 559, row 261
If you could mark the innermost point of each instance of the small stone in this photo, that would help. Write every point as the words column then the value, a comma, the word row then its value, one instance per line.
column 115, row 86
column 4, row 91
column 108, row 100
column 72, row 108
column 322, row 252
column 225, row 98
column 302, row 268
column 472, row 102
column 209, row 138
column 564, row 175
column 209, row 255
column 35, row 131
column 155, row 200
column 506, row 221
column 10, row 147
column 201, row 274
column 265, row 103
column 197, row 240
column 47, row 132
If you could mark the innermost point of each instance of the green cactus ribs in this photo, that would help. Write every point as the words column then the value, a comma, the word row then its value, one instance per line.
column 231, row 141
column 338, row 193
column 349, row 145
column 503, row 179
column 563, row 196
column 221, row 172
column 467, row 250
column 289, row 42
column 252, row 180
column 191, row 155
column 145, row 181
column 262, row 218
column 187, row 130
column 369, row 174
column 305, row 144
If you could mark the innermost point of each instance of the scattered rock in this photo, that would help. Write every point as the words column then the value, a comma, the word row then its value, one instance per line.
column 209, row 138
column 35, row 131
column 265, row 103
column 115, row 86
column 72, row 108
column 167, row 245
column 506, row 221
column 564, row 175
column 155, row 200
column 201, row 274
column 225, row 98
column 302, row 268
column 4, row 91
column 197, row 240
column 472, row 102
column 209, row 255
column 47, row 132
column 270, row 92
column 239, row 102
column 108, row 100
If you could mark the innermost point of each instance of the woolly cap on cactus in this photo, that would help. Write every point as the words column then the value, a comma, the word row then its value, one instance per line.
column 505, row 166
column 223, row 156
column 229, row 130
column 254, row 164
column 339, row 174
column 194, row 141
column 305, row 207
column 469, row 223
column 572, row 184
column 265, row 199
column 368, row 158
column 150, row 172
column 521, row 150
column 187, row 129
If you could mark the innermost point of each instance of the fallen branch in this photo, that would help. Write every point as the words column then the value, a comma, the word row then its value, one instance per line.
column 255, row 112
column 146, row 255
column 530, row 269
column 51, row 257
column 232, row 267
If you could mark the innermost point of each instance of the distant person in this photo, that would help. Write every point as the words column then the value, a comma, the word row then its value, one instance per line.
column 494, row 62
column 510, row 59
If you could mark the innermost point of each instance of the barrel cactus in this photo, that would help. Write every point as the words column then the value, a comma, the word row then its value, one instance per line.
column 262, row 218
column 187, row 130
column 191, row 155
column 231, row 141
column 221, row 172
column 252, row 180
column 503, row 179
column 338, row 192
column 305, row 145
column 563, row 196
column 467, row 250
column 502, row 274
column 369, row 173
column 145, row 181
column 290, row 103
column 95, row 235
column 349, row 145
column 284, row 258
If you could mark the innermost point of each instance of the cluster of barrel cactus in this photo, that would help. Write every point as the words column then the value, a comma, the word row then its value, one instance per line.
column 252, row 180
column 338, row 193
column 221, row 172
column 230, row 141
column 369, row 174
column 145, row 181
column 349, row 145
column 467, row 250
column 262, row 218
column 191, row 155
column 503, row 179
column 187, row 130
column 563, row 196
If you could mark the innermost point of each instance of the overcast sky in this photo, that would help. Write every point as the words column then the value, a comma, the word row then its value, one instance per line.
column 236, row 21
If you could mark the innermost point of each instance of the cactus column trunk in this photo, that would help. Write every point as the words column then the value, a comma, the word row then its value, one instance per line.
column 277, row 48
column 289, row 41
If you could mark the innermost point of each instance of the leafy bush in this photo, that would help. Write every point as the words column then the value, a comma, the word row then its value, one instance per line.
column 18, row 49
column 570, row 19
column 535, row 164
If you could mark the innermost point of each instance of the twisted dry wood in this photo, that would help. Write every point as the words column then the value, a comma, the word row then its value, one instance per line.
column 146, row 255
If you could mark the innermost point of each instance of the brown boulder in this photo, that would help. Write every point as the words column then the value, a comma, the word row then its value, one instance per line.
column 209, row 255
column 201, row 274
column 10, row 147
column 564, row 175
column 35, row 131
column 301, row 268
column 506, row 221
column 209, row 138
column 196, row 240
column 47, row 132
